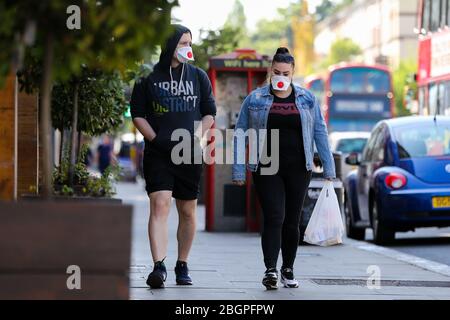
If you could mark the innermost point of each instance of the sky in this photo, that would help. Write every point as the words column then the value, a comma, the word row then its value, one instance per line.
column 211, row 14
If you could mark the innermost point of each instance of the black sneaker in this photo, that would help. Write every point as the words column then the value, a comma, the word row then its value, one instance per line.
column 270, row 279
column 158, row 276
column 288, row 279
column 182, row 274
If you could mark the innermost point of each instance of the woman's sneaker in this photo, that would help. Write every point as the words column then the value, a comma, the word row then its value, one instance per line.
column 288, row 279
column 270, row 279
column 158, row 276
column 182, row 274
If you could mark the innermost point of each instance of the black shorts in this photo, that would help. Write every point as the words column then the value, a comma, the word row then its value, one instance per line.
column 161, row 174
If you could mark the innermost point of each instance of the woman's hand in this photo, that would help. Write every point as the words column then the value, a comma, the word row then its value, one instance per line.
column 239, row 183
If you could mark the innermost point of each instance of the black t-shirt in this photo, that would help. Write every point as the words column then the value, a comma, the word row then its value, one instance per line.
column 285, row 117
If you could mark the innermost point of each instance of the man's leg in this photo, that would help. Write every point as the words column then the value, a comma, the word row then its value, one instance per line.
column 157, row 226
column 186, row 227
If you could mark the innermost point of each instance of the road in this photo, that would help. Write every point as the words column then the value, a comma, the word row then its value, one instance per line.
column 427, row 243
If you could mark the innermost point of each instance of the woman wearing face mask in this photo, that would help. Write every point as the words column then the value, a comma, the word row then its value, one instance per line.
column 295, row 113
column 174, row 96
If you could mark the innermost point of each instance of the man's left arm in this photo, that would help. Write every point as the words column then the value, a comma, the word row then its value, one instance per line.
column 207, row 103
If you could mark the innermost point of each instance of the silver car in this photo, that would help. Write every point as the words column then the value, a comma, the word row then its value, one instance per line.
column 346, row 143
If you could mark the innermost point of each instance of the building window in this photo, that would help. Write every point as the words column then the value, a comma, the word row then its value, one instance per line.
column 441, row 99
column 446, row 102
column 435, row 15
column 423, row 108
column 448, row 13
column 444, row 9
column 426, row 15
column 433, row 99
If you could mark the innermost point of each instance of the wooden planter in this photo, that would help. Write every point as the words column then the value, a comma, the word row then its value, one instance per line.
column 39, row 240
column 35, row 197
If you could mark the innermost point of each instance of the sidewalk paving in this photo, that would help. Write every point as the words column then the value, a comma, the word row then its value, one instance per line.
column 229, row 266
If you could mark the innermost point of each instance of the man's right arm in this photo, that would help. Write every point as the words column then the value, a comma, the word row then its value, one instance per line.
column 144, row 128
column 138, row 106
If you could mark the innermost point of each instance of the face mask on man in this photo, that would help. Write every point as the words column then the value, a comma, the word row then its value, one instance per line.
column 280, row 83
column 185, row 54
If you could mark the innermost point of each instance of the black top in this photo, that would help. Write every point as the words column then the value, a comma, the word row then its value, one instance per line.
column 285, row 117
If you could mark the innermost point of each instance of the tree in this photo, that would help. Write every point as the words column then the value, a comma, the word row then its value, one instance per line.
column 324, row 9
column 237, row 22
column 97, row 107
column 214, row 43
column 113, row 35
column 342, row 50
column 303, row 39
column 403, row 77
column 271, row 34
column 327, row 8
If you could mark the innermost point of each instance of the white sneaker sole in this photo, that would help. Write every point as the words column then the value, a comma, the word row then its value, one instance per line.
column 291, row 284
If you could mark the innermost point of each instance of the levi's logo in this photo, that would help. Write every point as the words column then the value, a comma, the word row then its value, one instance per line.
column 284, row 109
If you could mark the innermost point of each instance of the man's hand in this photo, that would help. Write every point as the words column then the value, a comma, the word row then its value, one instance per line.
column 144, row 128
column 239, row 183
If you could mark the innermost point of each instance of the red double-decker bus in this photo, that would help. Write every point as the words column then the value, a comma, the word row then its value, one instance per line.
column 433, row 77
column 354, row 96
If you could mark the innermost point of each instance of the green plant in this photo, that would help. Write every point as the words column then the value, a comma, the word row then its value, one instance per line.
column 402, row 78
column 104, row 186
column 85, row 184
column 67, row 191
column 92, row 103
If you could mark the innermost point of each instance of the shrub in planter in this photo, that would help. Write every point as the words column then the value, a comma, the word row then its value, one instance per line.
column 85, row 184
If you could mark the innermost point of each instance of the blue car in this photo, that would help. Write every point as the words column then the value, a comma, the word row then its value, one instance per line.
column 402, row 180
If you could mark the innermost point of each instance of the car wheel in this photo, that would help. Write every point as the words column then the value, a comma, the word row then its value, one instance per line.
column 352, row 232
column 382, row 234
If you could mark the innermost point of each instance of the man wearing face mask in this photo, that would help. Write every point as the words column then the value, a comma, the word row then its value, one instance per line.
column 174, row 96
column 295, row 113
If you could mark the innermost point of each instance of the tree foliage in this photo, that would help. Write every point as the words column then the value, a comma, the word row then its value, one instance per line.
column 403, row 76
column 237, row 22
column 342, row 50
column 214, row 43
column 113, row 35
column 101, row 102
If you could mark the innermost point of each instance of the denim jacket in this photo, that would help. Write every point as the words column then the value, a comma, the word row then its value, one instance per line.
column 254, row 114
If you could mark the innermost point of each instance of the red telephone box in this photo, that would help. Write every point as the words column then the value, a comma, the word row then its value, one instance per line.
column 233, row 76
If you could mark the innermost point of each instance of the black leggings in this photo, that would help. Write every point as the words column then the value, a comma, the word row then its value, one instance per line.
column 281, row 197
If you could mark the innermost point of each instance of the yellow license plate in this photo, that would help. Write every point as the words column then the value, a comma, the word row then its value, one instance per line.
column 441, row 202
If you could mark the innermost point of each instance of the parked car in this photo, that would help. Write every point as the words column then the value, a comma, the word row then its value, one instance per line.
column 403, row 179
column 346, row 143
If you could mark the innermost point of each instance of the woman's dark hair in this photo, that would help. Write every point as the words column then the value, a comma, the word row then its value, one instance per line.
column 282, row 55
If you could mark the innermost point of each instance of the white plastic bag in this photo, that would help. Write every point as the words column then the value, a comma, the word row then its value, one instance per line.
column 325, row 228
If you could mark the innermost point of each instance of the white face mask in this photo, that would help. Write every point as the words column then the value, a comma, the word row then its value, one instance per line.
column 280, row 83
column 185, row 54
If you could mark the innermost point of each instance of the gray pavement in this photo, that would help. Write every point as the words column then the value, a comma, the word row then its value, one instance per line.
column 229, row 266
